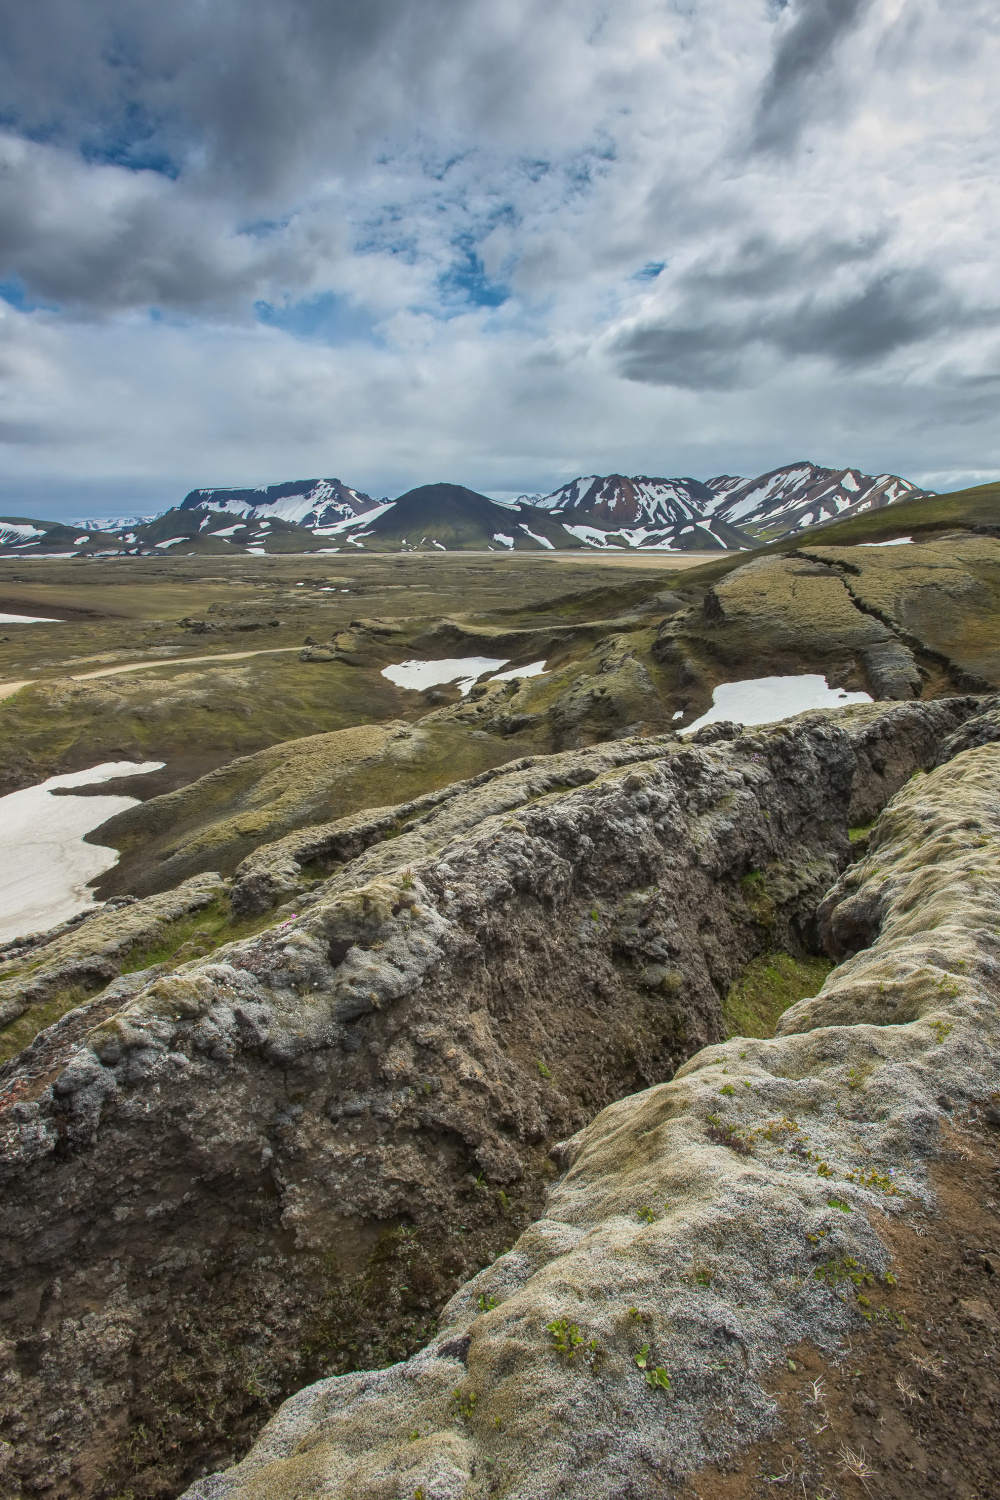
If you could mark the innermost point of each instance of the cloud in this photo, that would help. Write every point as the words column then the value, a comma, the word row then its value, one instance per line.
column 805, row 51
column 504, row 241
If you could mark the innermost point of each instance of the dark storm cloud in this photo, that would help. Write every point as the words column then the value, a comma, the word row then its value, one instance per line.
column 853, row 329
column 792, row 93
column 761, row 267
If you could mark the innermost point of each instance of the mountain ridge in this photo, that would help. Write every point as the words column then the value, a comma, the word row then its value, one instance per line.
column 592, row 512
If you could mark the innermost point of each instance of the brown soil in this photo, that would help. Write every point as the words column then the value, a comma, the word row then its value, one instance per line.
column 914, row 1409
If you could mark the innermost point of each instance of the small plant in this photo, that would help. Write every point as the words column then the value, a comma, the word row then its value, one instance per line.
column 646, row 1214
column 855, row 1465
column 406, row 879
column 658, row 1379
column 486, row 1302
column 566, row 1336
column 845, row 1208
column 932, row 1366
column 941, row 1029
column 724, row 1134
column 593, row 1355
column 595, row 915
column 906, row 1390
column 703, row 1275
column 503, row 1200
column 728, row 1090
column 466, row 1404
column 834, row 1273
column 818, row 1402
column 641, row 1358
column 824, row 1169
column 542, row 1069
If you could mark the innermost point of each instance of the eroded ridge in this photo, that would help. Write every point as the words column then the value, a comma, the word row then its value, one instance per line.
column 279, row 1162
column 704, row 1225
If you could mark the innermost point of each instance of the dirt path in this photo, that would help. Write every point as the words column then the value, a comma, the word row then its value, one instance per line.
column 179, row 661
column 7, row 688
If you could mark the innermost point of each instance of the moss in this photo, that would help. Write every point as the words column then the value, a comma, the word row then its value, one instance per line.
column 19, row 1034
column 767, row 987
column 758, row 899
column 200, row 932
column 858, row 835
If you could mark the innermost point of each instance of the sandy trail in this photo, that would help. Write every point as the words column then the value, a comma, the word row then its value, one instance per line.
column 180, row 661
column 7, row 688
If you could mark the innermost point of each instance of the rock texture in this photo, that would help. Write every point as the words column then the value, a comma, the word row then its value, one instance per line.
column 87, row 952
column 704, row 1226
column 280, row 1162
column 901, row 622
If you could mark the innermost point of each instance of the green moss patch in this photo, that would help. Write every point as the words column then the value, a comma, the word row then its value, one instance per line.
column 22, row 1032
column 767, row 987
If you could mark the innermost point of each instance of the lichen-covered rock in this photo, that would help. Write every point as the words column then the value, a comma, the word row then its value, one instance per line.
column 889, row 744
column 90, row 951
column 703, row 1227
column 982, row 728
column 296, row 1150
column 279, row 1162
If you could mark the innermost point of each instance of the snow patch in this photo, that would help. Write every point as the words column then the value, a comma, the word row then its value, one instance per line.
column 897, row 541
column 542, row 541
column 765, row 700
column 47, row 866
column 535, row 669
column 29, row 620
column 462, row 670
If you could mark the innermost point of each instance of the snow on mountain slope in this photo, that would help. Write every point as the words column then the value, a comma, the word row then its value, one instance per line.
column 113, row 523
column 314, row 503
column 730, row 510
column 616, row 500
column 803, row 494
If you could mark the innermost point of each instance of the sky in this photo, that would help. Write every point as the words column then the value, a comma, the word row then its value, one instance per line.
column 496, row 242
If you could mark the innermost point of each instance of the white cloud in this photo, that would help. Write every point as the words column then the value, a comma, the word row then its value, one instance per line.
column 446, row 209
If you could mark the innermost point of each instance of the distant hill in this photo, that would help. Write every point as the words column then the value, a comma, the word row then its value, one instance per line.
column 450, row 518
column 595, row 512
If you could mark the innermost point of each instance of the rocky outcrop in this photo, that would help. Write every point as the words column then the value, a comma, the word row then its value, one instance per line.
column 889, row 744
column 703, row 1227
column 86, row 953
column 900, row 622
column 280, row 1162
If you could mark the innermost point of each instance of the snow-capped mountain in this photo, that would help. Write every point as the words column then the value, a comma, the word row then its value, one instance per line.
column 615, row 510
column 112, row 523
column 725, row 511
column 314, row 503
column 610, row 512
column 620, row 501
column 800, row 495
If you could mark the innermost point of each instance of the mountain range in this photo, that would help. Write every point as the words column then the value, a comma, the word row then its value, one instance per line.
column 604, row 512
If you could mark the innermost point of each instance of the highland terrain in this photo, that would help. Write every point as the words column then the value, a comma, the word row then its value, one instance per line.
column 516, row 1079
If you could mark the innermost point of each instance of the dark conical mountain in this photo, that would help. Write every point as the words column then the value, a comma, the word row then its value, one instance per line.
column 450, row 518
